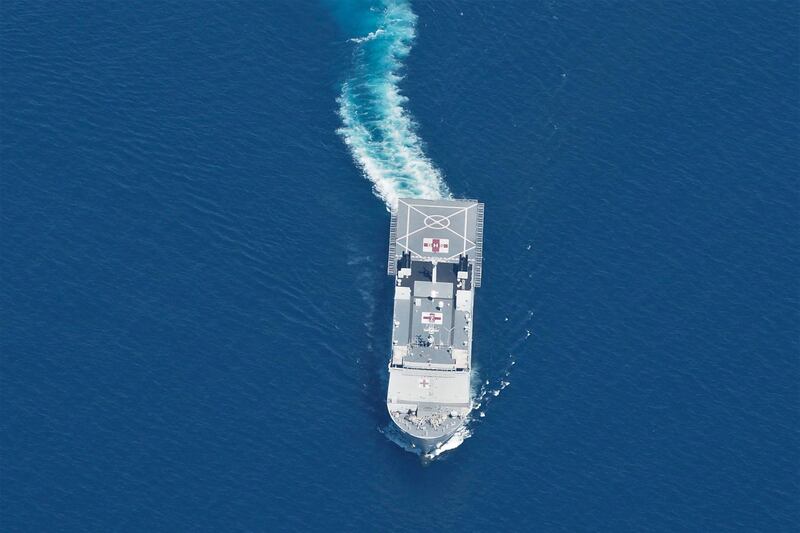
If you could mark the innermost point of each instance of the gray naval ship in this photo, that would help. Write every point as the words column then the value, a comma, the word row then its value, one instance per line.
column 435, row 256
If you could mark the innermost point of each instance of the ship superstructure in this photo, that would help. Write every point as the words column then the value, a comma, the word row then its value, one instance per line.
column 435, row 256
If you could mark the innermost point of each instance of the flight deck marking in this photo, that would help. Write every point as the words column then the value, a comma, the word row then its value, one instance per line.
column 465, row 233
column 456, row 255
column 439, row 220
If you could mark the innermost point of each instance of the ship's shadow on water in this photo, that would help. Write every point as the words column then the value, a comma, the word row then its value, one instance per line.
column 375, row 292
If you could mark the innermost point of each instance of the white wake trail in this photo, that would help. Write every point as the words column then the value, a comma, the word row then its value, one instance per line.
column 377, row 128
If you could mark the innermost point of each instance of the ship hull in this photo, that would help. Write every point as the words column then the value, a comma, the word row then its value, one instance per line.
column 423, row 445
column 435, row 257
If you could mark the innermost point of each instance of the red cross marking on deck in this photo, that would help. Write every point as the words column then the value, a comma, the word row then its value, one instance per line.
column 431, row 318
column 435, row 245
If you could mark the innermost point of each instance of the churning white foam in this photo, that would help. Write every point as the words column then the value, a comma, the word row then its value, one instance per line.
column 382, row 138
column 376, row 127
column 368, row 37
column 458, row 438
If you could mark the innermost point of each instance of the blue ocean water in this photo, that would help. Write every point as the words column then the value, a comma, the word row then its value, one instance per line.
column 195, row 313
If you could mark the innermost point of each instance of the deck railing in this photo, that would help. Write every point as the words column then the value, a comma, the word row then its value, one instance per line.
column 477, row 270
column 391, row 267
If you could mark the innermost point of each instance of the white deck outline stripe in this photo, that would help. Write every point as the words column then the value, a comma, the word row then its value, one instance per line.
column 426, row 227
column 456, row 256
column 460, row 236
column 412, row 252
column 408, row 224
column 464, row 249
column 442, row 206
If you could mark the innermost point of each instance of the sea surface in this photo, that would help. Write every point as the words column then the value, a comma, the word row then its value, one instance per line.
column 195, row 315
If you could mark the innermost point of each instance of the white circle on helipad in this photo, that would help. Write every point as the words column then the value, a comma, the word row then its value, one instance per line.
column 436, row 222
